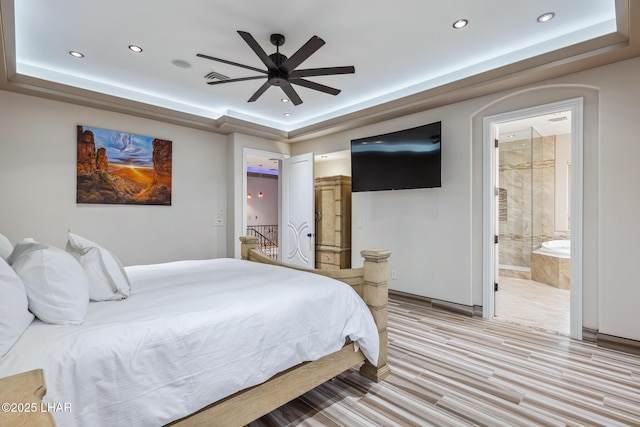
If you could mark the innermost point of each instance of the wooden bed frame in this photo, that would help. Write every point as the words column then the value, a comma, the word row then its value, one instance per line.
column 239, row 409
column 370, row 282
column 23, row 393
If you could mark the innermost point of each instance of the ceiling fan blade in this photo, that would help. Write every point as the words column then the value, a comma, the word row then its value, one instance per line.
column 310, row 72
column 291, row 93
column 240, row 79
column 224, row 61
column 316, row 86
column 253, row 44
column 259, row 92
column 302, row 54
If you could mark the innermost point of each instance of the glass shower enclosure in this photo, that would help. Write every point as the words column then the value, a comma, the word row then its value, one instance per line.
column 524, row 167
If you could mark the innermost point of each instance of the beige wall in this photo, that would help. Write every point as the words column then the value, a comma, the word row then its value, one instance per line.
column 262, row 210
column 436, row 234
column 619, row 228
column 427, row 230
column 340, row 165
column 38, row 189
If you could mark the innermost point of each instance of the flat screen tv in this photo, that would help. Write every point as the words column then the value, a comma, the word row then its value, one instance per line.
column 400, row 160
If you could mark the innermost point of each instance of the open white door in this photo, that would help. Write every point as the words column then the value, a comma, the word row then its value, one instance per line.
column 298, row 225
column 496, row 226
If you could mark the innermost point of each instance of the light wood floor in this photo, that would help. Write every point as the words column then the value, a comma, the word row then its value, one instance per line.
column 451, row 370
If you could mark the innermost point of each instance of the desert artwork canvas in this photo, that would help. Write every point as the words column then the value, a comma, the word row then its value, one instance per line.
column 122, row 168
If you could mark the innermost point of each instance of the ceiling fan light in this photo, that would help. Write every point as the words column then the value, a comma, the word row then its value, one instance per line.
column 460, row 23
column 284, row 100
column 287, row 114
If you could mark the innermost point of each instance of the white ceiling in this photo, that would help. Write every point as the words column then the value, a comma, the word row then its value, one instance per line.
column 398, row 48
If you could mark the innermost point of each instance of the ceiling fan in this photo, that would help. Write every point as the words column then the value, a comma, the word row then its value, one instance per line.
column 281, row 71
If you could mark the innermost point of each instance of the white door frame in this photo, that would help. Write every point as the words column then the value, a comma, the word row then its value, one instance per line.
column 489, row 209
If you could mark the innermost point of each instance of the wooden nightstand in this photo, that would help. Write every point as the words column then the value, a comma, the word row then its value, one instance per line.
column 21, row 400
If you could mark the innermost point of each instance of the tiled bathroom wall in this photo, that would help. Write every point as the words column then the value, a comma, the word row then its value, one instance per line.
column 526, row 198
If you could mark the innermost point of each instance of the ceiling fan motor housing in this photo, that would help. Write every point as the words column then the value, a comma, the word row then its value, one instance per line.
column 275, row 76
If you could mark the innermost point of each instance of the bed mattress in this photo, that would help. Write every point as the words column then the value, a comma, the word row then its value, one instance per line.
column 191, row 333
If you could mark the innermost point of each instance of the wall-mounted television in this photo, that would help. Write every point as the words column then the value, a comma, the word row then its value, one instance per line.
column 406, row 159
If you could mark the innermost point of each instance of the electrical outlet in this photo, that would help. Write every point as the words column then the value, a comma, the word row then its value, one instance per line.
column 394, row 274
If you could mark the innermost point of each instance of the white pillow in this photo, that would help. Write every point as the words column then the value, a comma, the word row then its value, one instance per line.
column 57, row 285
column 107, row 279
column 14, row 313
column 5, row 247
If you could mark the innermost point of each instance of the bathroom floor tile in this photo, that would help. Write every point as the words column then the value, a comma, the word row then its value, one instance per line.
column 533, row 304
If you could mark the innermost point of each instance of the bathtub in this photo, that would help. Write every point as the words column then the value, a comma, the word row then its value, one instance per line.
column 557, row 248
column 551, row 264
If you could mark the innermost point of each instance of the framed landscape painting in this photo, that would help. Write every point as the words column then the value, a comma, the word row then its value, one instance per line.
column 122, row 168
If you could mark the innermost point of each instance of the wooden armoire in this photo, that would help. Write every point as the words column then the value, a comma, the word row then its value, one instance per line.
column 333, row 222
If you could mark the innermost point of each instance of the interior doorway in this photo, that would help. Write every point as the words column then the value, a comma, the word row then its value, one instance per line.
column 533, row 231
column 534, row 222
column 262, row 198
column 289, row 234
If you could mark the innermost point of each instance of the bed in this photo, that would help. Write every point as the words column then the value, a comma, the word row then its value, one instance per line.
column 162, row 357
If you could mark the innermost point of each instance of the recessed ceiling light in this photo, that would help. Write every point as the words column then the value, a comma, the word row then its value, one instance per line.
column 284, row 100
column 460, row 23
column 76, row 54
column 558, row 119
column 134, row 48
column 287, row 114
column 546, row 17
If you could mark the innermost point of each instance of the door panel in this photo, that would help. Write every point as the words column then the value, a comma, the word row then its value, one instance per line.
column 496, row 246
column 298, row 245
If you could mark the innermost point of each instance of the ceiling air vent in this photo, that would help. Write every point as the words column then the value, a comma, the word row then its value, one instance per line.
column 213, row 75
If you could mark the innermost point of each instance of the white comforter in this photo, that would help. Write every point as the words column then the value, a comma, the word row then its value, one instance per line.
column 191, row 333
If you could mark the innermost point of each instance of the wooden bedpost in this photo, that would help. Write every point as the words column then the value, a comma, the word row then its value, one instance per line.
column 247, row 243
column 376, row 295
